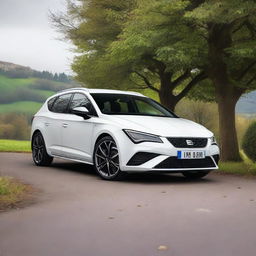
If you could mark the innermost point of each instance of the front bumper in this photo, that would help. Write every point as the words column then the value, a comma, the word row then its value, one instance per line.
column 148, row 157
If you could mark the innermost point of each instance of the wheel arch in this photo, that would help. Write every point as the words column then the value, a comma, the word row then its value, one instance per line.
column 114, row 134
column 33, row 134
column 102, row 136
column 37, row 130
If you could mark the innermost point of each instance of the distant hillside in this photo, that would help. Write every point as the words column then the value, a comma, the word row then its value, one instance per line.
column 7, row 66
column 247, row 104
column 22, row 90
column 17, row 71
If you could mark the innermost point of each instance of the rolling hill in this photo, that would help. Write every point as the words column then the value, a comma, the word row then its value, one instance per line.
column 21, row 92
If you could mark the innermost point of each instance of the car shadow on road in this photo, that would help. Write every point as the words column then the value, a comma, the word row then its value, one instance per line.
column 142, row 178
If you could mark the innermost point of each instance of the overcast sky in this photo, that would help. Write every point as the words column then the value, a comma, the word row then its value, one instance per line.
column 27, row 37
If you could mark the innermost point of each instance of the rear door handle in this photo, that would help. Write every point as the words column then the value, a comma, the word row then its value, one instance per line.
column 64, row 125
column 47, row 124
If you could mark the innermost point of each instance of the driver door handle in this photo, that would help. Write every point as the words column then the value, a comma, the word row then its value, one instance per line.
column 64, row 125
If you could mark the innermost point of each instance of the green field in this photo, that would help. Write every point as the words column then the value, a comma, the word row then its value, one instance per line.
column 26, row 95
column 27, row 107
column 14, row 146
column 12, row 84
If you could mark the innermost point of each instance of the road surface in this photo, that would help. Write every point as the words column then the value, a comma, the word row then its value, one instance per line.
column 78, row 214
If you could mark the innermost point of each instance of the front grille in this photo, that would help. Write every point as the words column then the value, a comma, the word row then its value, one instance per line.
column 175, row 163
column 188, row 142
column 141, row 158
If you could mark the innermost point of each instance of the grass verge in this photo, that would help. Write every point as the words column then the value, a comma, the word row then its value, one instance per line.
column 13, row 193
column 14, row 146
column 245, row 168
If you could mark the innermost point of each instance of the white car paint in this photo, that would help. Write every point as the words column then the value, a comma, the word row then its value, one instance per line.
column 70, row 136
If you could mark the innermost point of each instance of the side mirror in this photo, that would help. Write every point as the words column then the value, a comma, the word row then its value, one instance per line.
column 81, row 111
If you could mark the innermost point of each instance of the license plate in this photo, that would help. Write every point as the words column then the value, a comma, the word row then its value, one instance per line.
column 191, row 154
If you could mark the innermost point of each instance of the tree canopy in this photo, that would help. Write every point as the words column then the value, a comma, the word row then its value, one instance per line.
column 173, row 47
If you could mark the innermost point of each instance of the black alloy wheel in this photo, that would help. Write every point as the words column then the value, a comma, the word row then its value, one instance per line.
column 39, row 153
column 106, row 159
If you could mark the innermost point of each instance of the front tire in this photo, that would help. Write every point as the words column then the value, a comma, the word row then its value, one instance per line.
column 39, row 153
column 106, row 159
column 195, row 175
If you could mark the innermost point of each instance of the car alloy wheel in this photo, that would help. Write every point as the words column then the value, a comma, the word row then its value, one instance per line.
column 39, row 153
column 106, row 159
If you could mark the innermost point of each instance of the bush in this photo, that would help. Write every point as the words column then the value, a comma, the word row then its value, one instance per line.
column 249, row 142
column 14, row 126
column 242, row 124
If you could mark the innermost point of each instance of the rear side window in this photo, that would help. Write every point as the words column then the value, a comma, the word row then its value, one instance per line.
column 61, row 103
column 50, row 103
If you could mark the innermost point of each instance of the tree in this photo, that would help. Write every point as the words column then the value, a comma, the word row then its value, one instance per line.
column 112, row 38
column 154, row 53
column 229, row 31
column 169, row 47
column 215, row 37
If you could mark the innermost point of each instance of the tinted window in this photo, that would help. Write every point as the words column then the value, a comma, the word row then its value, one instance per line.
column 50, row 103
column 80, row 100
column 61, row 103
column 121, row 104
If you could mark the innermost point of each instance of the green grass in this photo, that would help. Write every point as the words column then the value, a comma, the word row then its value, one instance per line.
column 238, row 168
column 12, row 192
column 44, row 93
column 11, row 84
column 245, row 168
column 14, row 146
column 28, row 107
column 11, row 87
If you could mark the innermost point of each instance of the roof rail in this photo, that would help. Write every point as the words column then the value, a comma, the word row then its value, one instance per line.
column 72, row 89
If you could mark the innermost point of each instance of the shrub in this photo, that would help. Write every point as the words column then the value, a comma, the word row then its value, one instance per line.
column 14, row 126
column 7, row 131
column 242, row 124
column 249, row 142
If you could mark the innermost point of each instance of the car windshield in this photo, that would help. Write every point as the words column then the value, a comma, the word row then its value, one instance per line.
column 124, row 104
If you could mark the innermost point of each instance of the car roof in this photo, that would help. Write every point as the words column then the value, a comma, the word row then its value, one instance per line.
column 91, row 91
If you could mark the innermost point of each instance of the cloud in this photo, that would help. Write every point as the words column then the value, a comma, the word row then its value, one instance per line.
column 27, row 37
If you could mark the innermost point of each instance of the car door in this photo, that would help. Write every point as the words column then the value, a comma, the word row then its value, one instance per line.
column 53, row 123
column 77, row 132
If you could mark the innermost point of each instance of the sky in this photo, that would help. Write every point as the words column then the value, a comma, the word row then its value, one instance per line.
column 28, row 38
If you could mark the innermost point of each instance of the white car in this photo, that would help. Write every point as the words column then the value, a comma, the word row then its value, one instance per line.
column 120, row 132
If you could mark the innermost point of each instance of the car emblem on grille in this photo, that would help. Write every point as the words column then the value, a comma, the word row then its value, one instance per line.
column 190, row 142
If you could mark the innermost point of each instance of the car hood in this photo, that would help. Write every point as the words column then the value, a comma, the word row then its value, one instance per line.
column 162, row 126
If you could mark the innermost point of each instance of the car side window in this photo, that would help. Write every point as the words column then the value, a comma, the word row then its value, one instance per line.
column 61, row 103
column 80, row 100
column 51, row 102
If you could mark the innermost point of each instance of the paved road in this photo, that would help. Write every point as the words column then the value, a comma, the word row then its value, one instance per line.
column 79, row 214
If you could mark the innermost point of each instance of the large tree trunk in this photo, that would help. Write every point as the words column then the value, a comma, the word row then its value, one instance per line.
column 166, row 92
column 227, row 127
column 227, row 94
column 168, row 100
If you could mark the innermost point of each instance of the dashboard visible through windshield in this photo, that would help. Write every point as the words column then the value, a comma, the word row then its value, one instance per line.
column 124, row 104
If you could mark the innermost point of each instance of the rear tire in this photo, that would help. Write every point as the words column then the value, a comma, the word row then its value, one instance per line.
column 39, row 152
column 106, row 159
column 195, row 175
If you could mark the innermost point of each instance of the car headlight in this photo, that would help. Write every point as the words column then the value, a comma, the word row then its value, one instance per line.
column 138, row 137
column 213, row 141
